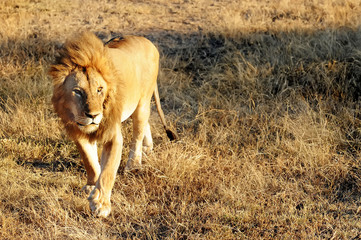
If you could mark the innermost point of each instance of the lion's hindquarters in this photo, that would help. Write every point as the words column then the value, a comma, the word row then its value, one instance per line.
column 136, row 59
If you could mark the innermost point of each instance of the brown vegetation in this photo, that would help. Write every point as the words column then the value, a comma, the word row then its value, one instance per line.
column 265, row 98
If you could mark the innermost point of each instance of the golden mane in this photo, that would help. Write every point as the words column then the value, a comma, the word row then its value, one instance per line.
column 84, row 51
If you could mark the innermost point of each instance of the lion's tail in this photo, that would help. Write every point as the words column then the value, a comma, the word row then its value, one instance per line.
column 171, row 135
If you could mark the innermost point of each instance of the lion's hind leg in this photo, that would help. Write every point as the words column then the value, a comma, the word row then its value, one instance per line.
column 148, row 140
column 140, row 128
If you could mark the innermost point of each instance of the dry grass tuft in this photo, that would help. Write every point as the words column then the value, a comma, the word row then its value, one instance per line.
column 265, row 97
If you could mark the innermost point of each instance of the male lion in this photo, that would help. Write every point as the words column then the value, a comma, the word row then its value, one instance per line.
column 96, row 87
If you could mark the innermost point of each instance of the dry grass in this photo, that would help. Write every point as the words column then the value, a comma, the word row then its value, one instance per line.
column 265, row 96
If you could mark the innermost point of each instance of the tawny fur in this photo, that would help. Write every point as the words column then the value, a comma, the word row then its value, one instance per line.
column 84, row 51
column 115, row 81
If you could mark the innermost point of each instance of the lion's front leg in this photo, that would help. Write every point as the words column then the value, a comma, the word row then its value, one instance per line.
column 89, row 155
column 99, row 198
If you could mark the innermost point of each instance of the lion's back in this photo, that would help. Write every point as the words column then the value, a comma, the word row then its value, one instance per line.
column 135, row 47
column 136, row 63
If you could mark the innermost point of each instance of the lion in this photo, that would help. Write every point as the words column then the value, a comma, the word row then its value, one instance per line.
column 96, row 87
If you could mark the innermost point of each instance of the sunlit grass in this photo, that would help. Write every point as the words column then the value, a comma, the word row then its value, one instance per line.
column 265, row 98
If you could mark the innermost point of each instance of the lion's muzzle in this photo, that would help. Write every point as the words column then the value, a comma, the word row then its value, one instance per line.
column 89, row 122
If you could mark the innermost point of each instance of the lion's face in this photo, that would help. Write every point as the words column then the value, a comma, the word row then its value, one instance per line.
column 85, row 91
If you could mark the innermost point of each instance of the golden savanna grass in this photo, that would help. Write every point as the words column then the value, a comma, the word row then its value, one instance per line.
column 265, row 96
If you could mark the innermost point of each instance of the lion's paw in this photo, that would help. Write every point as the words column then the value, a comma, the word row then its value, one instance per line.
column 133, row 166
column 99, row 205
column 147, row 149
column 88, row 188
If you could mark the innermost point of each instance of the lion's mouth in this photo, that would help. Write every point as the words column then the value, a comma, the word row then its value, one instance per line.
column 88, row 124
column 83, row 125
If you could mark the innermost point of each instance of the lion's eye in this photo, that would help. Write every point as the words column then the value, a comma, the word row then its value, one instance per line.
column 77, row 92
column 100, row 89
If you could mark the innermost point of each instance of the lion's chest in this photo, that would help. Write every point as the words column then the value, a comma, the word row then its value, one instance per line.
column 127, row 112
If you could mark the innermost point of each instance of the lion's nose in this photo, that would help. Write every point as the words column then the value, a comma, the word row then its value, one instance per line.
column 91, row 115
